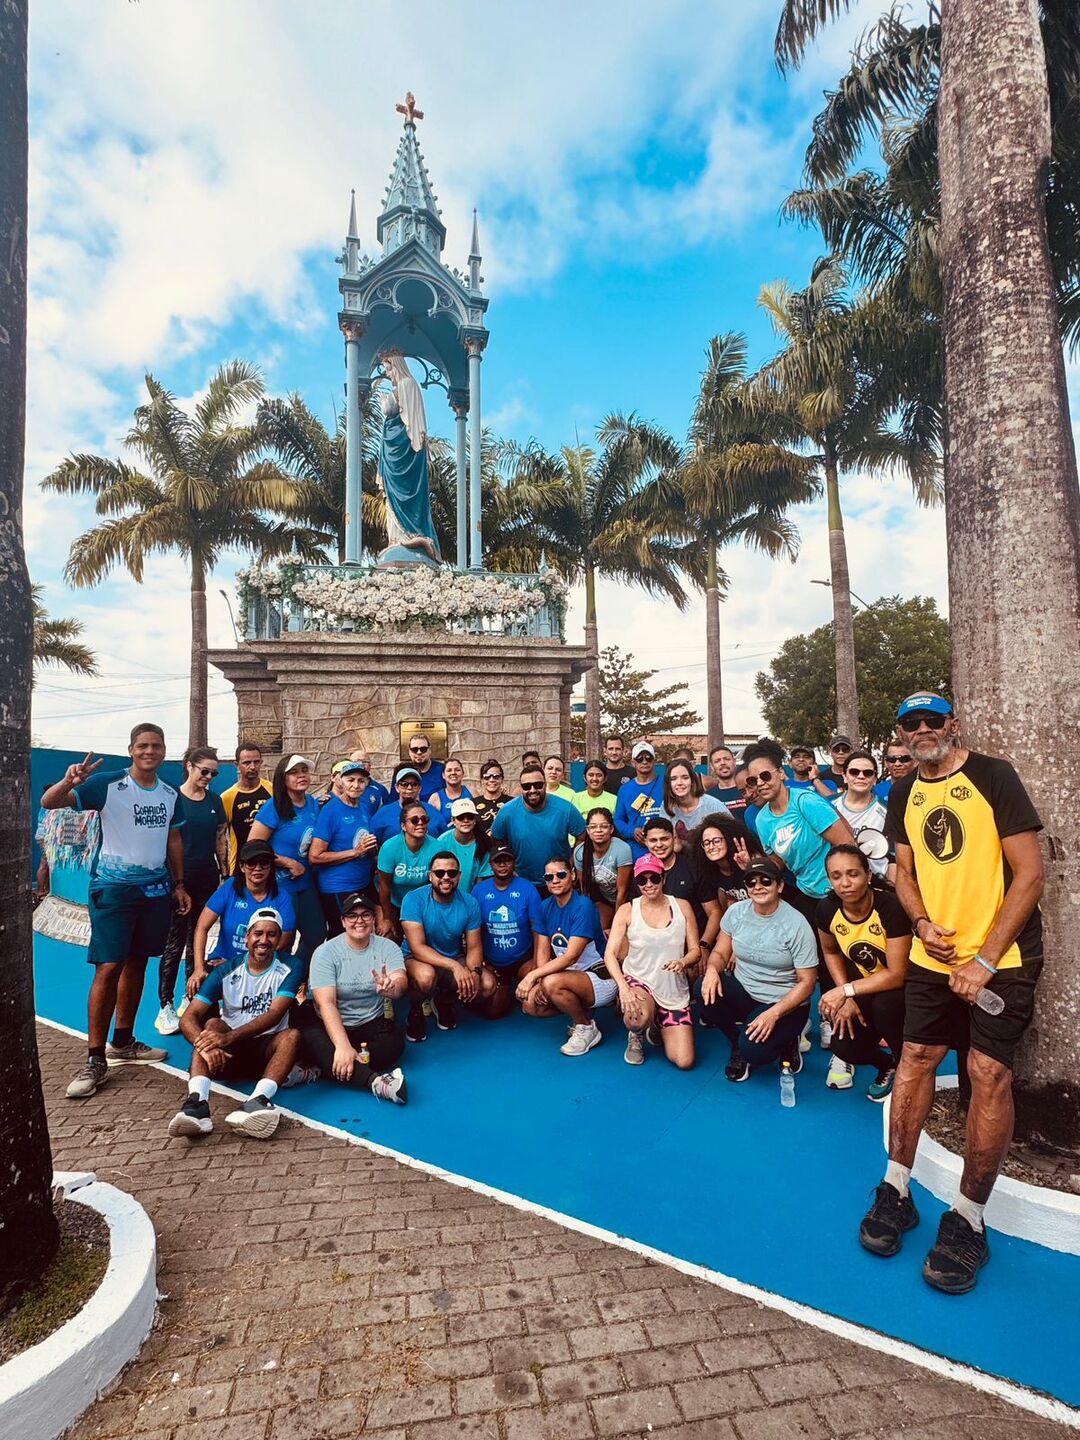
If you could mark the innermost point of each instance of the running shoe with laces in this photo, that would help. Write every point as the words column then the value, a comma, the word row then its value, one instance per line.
column 89, row 1079
column 885, row 1223
column 880, row 1089
column 193, row 1117
column 167, row 1022
column 416, row 1025
column 445, row 1011
column 634, row 1054
column 135, row 1054
column 737, row 1068
column 582, row 1039
column 956, row 1256
column 793, row 1056
column 825, row 1033
column 300, row 1075
column 390, row 1085
column 257, row 1117
column 841, row 1075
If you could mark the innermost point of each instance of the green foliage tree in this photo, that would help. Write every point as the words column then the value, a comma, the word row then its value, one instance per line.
column 900, row 646
column 56, row 642
column 631, row 705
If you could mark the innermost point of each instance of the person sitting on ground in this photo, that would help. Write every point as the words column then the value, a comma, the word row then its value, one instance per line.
column 352, row 976
column 510, row 913
column 685, row 803
column 453, row 786
column 386, row 821
column 443, row 951
column 555, row 778
column 861, row 808
column 288, row 822
column 640, row 799
column 492, row 796
column 376, row 793
column 403, row 865
column 569, row 977
column 805, row 774
column 344, row 847
column 865, row 936
column 604, row 865
column 760, row 976
column 468, row 842
column 537, row 826
column 233, row 903
column 652, row 947
column 247, row 1038
column 595, row 795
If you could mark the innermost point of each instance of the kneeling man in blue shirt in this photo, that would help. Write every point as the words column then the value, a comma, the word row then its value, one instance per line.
column 444, row 955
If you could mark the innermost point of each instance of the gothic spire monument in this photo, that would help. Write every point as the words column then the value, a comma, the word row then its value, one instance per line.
column 408, row 305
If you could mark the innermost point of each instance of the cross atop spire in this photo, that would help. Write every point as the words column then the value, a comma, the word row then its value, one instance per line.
column 409, row 109
column 409, row 208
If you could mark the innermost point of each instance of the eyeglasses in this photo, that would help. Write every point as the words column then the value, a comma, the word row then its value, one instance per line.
column 556, row 874
column 533, row 785
column 861, row 773
column 648, row 879
column 753, row 881
column 407, row 780
column 910, row 723
column 445, row 874
column 358, row 915
column 761, row 778
column 897, row 759
column 714, row 843
column 207, row 774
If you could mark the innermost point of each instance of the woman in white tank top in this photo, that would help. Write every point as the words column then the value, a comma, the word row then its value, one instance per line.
column 653, row 942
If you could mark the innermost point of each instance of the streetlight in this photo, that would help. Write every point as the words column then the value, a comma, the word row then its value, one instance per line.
column 236, row 633
column 828, row 586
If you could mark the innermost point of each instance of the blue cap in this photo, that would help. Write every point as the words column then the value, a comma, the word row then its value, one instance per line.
column 924, row 700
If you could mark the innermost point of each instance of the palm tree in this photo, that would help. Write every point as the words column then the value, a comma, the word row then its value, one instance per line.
column 56, row 642
column 587, row 511
column 836, row 376
column 206, row 491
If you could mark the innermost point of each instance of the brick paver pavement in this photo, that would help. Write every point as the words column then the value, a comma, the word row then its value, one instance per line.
column 312, row 1290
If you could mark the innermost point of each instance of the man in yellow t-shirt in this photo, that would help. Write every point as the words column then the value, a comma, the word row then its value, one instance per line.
column 245, row 799
column 969, row 874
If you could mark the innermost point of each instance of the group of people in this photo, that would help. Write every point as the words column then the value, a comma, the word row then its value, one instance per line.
column 652, row 892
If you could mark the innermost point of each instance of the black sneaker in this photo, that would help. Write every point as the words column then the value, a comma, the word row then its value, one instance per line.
column 193, row 1118
column 445, row 1011
column 957, row 1255
column 883, row 1225
column 416, row 1025
column 738, row 1068
column 793, row 1056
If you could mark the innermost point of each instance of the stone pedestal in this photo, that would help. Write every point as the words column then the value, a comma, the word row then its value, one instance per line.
column 324, row 694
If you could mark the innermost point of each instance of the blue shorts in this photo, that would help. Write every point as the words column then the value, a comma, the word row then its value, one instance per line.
column 126, row 924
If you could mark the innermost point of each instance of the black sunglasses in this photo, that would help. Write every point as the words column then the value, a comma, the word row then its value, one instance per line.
column 556, row 874
column 897, row 759
column 446, row 874
column 417, row 819
column 533, row 785
column 207, row 774
column 861, row 774
column 752, row 881
column 910, row 723
column 648, row 878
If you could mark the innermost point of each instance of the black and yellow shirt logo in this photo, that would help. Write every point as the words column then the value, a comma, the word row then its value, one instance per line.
column 943, row 833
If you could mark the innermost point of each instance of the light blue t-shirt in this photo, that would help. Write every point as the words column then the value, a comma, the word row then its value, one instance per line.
column 472, row 868
column 407, row 869
column 796, row 838
column 342, row 827
column 292, row 838
column 768, row 949
column 348, row 970
column 537, row 836
column 687, row 820
column 135, row 825
column 605, row 868
column 509, row 917
column 235, row 912
column 445, row 926
column 637, row 804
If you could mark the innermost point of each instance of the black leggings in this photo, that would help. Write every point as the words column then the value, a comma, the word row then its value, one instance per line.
column 737, row 1005
column 181, row 937
column 384, row 1040
column 884, row 1015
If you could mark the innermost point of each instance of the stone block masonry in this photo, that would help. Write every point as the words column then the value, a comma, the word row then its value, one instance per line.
column 323, row 695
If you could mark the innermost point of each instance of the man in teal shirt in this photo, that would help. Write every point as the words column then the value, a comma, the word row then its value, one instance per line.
column 444, row 953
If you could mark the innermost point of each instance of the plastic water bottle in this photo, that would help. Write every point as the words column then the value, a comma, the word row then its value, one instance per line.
column 365, row 1054
column 990, row 1001
column 787, row 1085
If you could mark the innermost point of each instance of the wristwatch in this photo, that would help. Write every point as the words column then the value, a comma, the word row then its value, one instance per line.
column 849, row 990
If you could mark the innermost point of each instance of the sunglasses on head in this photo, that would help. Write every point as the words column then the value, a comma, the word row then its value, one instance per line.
column 556, row 874
column 861, row 773
column 532, row 785
column 753, row 881
column 445, row 874
column 910, row 723
column 761, row 778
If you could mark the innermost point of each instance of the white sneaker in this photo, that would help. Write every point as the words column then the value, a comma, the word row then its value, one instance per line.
column 582, row 1039
column 257, row 1117
column 825, row 1038
column 841, row 1075
column 634, row 1054
column 390, row 1086
column 168, row 1021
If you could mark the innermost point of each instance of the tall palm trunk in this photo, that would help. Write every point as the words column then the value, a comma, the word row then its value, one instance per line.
column 1011, row 485
column 847, row 690
column 592, row 675
column 26, row 1215
column 197, row 725
column 714, row 685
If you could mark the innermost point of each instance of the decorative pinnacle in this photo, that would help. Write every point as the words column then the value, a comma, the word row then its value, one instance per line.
column 353, row 233
column 409, row 109
column 475, row 238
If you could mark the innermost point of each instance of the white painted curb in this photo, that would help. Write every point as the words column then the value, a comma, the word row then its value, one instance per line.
column 1030, row 1212
column 46, row 1388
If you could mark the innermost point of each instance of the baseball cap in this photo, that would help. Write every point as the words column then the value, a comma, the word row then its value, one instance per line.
column 256, row 850
column 648, row 865
column 464, row 806
column 841, row 740
column 803, row 750
column 642, row 748
column 502, row 852
column 924, row 700
column 405, row 770
column 296, row 760
column 267, row 912
column 358, row 900
column 350, row 767
column 760, row 866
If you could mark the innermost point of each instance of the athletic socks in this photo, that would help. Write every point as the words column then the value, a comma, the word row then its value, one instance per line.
column 971, row 1212
column 121, row 1039
column 266, row 1088
column 899, row 1177
column 95, row 1052
column 199, row 1085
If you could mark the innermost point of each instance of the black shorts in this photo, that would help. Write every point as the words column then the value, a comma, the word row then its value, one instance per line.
column 933, row 1015
column 506, row 974
column 248, row 1059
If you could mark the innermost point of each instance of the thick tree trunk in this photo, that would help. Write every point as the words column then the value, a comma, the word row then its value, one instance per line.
column 847, row 690
column 714, row 684
column 28, row 1232
column 593, row 747
column 197, row 725
column 1011, row 486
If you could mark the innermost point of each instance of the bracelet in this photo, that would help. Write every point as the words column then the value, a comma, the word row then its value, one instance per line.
column 918, row 921
column 985, row 964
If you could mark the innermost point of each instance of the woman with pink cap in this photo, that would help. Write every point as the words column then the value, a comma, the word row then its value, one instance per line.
column 653, row 942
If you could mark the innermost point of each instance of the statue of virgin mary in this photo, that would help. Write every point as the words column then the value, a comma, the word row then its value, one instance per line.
column 403, row 469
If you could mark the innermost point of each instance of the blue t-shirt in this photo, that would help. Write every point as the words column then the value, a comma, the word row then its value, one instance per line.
column 636, row 804
column 793, row 784
column 882, row 788
column 796, row 838
column 578, row 917
column 235, row 912
column 445, row 926
column 387, row 821
column 342, row 827
column 445, row 802
column 376, row 795
column 292, row 838
column 135, row 824
column 537, row 836
column 431, row 780
column 407, row 869
column 509, row 918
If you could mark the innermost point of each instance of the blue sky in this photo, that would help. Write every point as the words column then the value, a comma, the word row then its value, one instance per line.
column 190, row 177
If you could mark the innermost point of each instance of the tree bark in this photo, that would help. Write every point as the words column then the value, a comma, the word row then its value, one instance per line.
column 714, row 683
column 197, row 723
column 847, row 690
column 28, row 1231
column 593, row 747
column 1011, row 486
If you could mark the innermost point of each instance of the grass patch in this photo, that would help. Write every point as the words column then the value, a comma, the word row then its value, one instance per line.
column 65, row 1287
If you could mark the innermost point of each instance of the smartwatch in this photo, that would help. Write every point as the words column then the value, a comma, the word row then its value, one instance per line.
column 849, row 990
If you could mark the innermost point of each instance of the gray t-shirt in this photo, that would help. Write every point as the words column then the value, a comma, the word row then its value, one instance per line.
column 606, row 867
column 337, row 963
column 768, row 949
